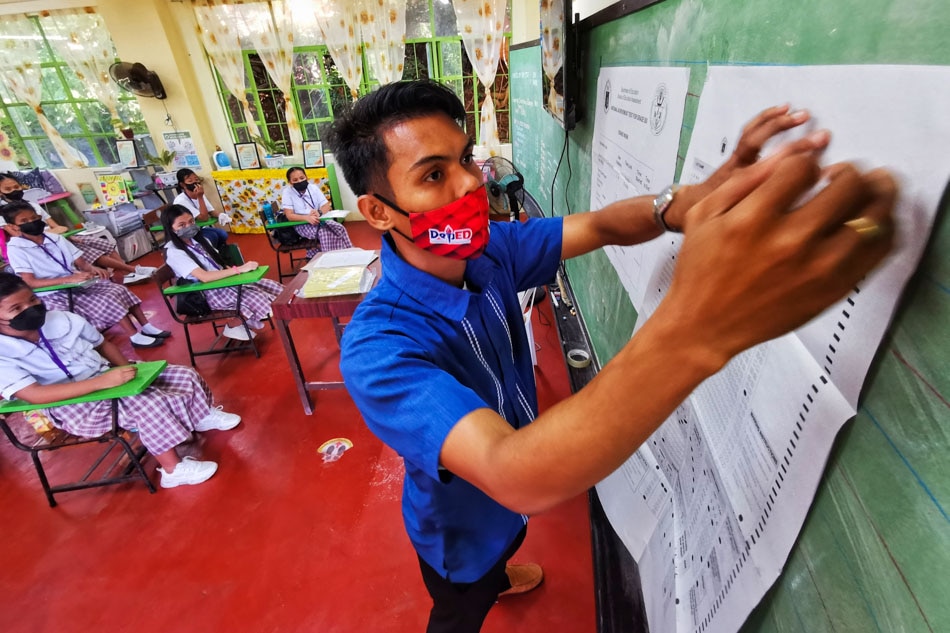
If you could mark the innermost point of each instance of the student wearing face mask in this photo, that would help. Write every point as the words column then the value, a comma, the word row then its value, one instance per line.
column 95, row 249
column 44, row 259
column 302, row 201
column 191, row 256
column 50, row 356
column 193, row 198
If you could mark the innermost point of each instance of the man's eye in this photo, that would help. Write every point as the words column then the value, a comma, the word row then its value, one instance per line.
column 434, row 176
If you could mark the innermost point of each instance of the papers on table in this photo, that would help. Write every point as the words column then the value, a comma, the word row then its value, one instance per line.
column 344, row 257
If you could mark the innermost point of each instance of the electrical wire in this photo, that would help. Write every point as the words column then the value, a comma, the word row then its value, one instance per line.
column 556, row 170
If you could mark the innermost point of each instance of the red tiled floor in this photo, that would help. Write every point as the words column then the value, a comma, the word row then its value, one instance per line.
column 277, row 540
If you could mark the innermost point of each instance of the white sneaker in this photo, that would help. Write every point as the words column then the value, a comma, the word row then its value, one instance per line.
column 218, row 420
column 188, row 471
column 148, row 271
column 237, row 332
column 134, row 278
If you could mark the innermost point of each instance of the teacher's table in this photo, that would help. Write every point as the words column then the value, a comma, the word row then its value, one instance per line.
column 288, row 306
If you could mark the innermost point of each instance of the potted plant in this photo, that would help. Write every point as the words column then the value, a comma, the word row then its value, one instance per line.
column 122, row 129
column 273, row 151
column 164, row 159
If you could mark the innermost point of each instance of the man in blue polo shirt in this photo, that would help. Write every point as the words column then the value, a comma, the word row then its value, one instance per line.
column 438, row 361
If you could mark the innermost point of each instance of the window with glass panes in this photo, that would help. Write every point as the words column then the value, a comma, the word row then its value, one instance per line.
column 433, row 51
column 76, row 114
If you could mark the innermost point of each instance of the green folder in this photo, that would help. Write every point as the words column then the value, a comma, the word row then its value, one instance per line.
column 81, row 284
column 145, row 375
column 237, row 280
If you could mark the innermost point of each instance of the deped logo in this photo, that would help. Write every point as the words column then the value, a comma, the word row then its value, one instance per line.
column 450, row 236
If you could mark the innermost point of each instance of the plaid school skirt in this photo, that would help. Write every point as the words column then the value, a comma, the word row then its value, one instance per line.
column 92, row 247
column 256, row 298
column 103, row 304
column 164, row 415
column 333, row 236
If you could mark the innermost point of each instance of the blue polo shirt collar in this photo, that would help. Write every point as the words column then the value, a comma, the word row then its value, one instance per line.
column 443, row 298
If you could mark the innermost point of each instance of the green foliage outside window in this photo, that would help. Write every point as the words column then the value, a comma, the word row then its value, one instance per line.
column 433, row 51
column 76, row 114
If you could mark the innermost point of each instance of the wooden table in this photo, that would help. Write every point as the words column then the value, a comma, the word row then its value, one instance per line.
column 288, row 306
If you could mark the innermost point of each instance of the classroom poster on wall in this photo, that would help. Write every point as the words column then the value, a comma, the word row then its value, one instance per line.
column 183, row 147
column 633, row 153
column 113, row 189
column 711, row 505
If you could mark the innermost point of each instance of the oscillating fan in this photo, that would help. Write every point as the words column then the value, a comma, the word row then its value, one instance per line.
column 504, row 184
column 137, row 79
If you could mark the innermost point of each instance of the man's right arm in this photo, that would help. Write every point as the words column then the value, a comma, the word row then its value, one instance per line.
column 750, row 269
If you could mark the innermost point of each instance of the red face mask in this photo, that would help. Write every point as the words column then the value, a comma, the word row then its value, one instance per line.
column 459, row 230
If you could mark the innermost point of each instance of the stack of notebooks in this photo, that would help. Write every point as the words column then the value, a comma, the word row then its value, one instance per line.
column 343, row 272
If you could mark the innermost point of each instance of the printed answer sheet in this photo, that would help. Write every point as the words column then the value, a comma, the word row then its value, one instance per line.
column 636, row 135
column 711, row 505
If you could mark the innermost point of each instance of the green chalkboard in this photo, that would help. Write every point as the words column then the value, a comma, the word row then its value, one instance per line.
column 874, row 553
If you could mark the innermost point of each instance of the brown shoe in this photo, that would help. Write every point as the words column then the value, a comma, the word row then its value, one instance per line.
column 523, row 578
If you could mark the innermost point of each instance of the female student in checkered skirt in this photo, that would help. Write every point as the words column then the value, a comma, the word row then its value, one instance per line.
column 303, row 201
column 190, row 255
column 44, row 259
column 50, row 356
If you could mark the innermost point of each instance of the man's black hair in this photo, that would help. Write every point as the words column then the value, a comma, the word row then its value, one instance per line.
column 169, row 214
column 356, row 137
column 10, row 283
column 10, row 210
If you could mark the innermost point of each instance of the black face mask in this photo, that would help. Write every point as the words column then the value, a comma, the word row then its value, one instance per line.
column 30, row 319
column 34, row 228
column 14, row 196
column 301, row 186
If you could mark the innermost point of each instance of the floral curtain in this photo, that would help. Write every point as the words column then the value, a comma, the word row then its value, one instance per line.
column 338, row 21
column 20, row 64
column 218, row 30
column 269, row 25
column 552, row 53
column 80, row 38
column 383, row 28
column 481, row 25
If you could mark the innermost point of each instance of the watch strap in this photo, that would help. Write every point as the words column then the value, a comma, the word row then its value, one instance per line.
column 661, row 204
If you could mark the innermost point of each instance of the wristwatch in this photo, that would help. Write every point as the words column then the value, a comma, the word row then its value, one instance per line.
column 661, row 204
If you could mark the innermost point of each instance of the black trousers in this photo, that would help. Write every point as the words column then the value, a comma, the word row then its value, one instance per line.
column 462, row 607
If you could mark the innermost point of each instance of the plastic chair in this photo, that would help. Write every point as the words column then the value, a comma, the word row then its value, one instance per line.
column 125, row 463
column 165, row 278
column 295, row 261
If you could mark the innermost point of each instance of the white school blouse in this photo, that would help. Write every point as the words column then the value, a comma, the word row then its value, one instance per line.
column 192, row 205
column 58, row 260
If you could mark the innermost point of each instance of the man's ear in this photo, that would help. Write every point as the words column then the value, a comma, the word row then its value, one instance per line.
column 376, row 213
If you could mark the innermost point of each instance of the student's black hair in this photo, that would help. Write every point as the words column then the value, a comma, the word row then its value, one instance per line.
column 356, row 137
column 180, row 175
column 10, row 210
column 10, row 283
column 169, row 214
column 5, row 175
column 295, row 168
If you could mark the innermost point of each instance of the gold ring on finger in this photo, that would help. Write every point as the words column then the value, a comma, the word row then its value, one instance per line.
column 866, row 228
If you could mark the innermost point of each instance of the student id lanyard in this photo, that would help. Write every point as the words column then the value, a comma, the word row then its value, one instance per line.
column 62, row 262
column 200, row 252
column 54, row 356
column 309, row 201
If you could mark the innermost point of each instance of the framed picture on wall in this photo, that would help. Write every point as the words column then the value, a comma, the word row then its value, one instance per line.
column 313, row 154
column 247, row 156
column 126, row 152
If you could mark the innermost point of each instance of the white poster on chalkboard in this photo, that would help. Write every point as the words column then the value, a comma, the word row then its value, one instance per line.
column 636, row 135
column 712, row 504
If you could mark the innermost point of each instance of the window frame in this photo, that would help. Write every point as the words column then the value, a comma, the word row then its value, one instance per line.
column 19, row 140
column 435, row 64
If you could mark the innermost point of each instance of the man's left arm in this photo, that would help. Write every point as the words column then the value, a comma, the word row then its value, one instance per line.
column 631, row 221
